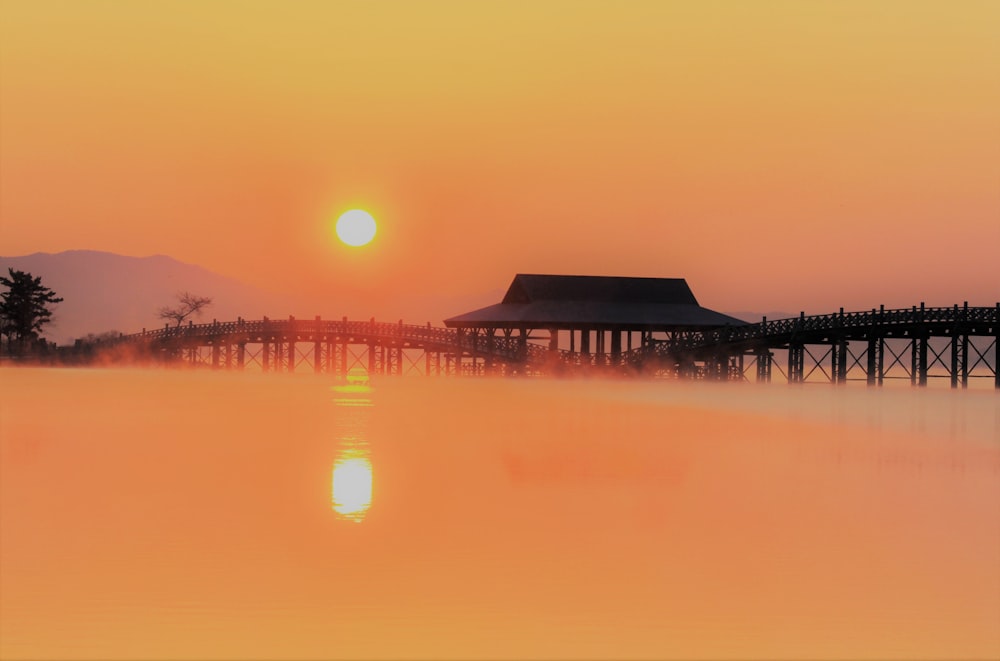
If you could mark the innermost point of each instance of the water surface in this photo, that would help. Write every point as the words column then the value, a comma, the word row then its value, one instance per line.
column 183, row 514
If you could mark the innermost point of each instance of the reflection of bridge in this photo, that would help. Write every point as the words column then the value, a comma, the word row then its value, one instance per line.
column 915, row 343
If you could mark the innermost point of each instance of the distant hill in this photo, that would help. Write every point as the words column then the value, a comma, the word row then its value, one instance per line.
column 103, row 291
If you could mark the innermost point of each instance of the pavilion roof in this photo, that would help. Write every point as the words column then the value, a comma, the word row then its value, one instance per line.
column 576, row 301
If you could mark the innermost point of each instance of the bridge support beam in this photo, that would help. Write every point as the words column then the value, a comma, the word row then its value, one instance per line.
column 491, row 347
column 835, row 363
column 796, row 363
column 959, row 365
column 241, row 356
column 838, row 359
column 764, row 357
column 876, row 364
column 918, row 361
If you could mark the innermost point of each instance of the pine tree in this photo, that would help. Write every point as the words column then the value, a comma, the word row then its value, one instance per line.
column 24, row 307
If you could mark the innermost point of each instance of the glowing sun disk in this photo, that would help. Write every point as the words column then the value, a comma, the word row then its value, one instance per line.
column 356, row 227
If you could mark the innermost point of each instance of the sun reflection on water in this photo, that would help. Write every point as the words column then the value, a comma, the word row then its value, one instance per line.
column 352, row 484
column 351, row 488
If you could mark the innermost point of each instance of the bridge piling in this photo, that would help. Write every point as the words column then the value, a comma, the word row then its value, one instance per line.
column 796, row 362
column 873, row 351
column 763, row 365
column 838, row 358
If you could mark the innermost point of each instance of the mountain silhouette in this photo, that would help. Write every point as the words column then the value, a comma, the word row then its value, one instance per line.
column 103, row 291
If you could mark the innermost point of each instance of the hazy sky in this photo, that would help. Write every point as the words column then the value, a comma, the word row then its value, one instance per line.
column 779, row 155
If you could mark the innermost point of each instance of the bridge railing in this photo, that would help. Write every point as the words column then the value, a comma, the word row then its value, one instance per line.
column 839, row 321
column 295, row 328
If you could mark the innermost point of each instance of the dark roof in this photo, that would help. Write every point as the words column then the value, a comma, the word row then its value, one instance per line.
column 531, row 288
column 574, row 301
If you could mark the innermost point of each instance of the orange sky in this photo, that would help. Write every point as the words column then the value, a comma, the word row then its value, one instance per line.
column 781, row 156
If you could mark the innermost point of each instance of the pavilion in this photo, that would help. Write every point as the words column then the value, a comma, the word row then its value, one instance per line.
column 593, row 307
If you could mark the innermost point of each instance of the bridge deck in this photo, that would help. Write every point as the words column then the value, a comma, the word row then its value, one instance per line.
column 678, row 353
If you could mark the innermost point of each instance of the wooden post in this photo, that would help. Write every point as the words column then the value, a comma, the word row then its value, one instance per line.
column 872, row 344
column 291, row 343
column 996, row 348
column 842, row 360
column 796, row 363
column 318, row 347
column 763, row 365
column 956, row 349
column 491, row 347
column 873, row 348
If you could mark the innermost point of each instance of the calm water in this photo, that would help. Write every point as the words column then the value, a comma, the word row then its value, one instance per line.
column 172, row 514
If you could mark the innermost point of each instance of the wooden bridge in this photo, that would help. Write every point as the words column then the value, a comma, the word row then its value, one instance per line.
column 958, row 343
column 337, row 347
column 910, row 343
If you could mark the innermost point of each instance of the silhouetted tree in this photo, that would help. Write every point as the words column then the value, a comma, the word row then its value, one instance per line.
column 24, row 307
column 187, row 304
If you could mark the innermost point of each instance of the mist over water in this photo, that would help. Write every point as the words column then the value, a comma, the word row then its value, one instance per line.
column 188, row 514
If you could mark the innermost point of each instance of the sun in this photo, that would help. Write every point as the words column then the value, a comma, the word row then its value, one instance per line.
column 356, row 227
